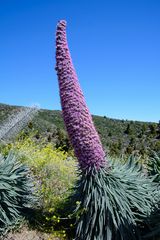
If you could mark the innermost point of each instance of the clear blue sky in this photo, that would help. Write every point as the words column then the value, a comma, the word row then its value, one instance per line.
column 115, row 47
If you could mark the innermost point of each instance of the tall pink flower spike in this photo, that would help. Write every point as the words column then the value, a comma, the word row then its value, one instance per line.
column 78, row 121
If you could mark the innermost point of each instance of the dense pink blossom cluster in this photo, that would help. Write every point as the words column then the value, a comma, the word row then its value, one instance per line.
column 82, row 133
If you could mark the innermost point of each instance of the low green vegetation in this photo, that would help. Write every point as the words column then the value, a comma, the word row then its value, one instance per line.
column 115, row 204
column 16, row 191
column 43, row 150
column 54, row 169
column 54, row 174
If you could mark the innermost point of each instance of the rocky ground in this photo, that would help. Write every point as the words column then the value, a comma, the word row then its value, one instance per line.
column 26, row 234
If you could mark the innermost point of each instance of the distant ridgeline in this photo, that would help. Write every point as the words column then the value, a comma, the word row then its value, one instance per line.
column 118, row 136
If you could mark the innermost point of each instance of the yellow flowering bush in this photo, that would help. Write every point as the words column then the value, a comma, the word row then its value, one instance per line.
column 54, row 169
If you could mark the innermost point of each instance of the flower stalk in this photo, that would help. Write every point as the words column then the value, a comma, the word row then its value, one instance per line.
column 78, row 120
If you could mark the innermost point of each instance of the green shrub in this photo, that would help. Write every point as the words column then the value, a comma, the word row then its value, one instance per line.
column 114, row 204
column 154, row 165
column 152, row 226
column 54, row 170
column 16, row 191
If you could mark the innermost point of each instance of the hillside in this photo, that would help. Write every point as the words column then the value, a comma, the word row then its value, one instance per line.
column 118, row 136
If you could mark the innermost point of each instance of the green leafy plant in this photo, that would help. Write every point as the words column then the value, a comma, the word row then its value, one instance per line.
column 113, row 204
column 154, row 165
column 151, row 228
column 152, row 224
column 16, row 191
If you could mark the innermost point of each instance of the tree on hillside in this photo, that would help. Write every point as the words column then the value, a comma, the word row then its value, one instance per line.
column 158, row 130
column 152, row 128
column 128, row 129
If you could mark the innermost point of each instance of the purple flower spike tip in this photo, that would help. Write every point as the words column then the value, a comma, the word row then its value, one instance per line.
column 78, row 121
